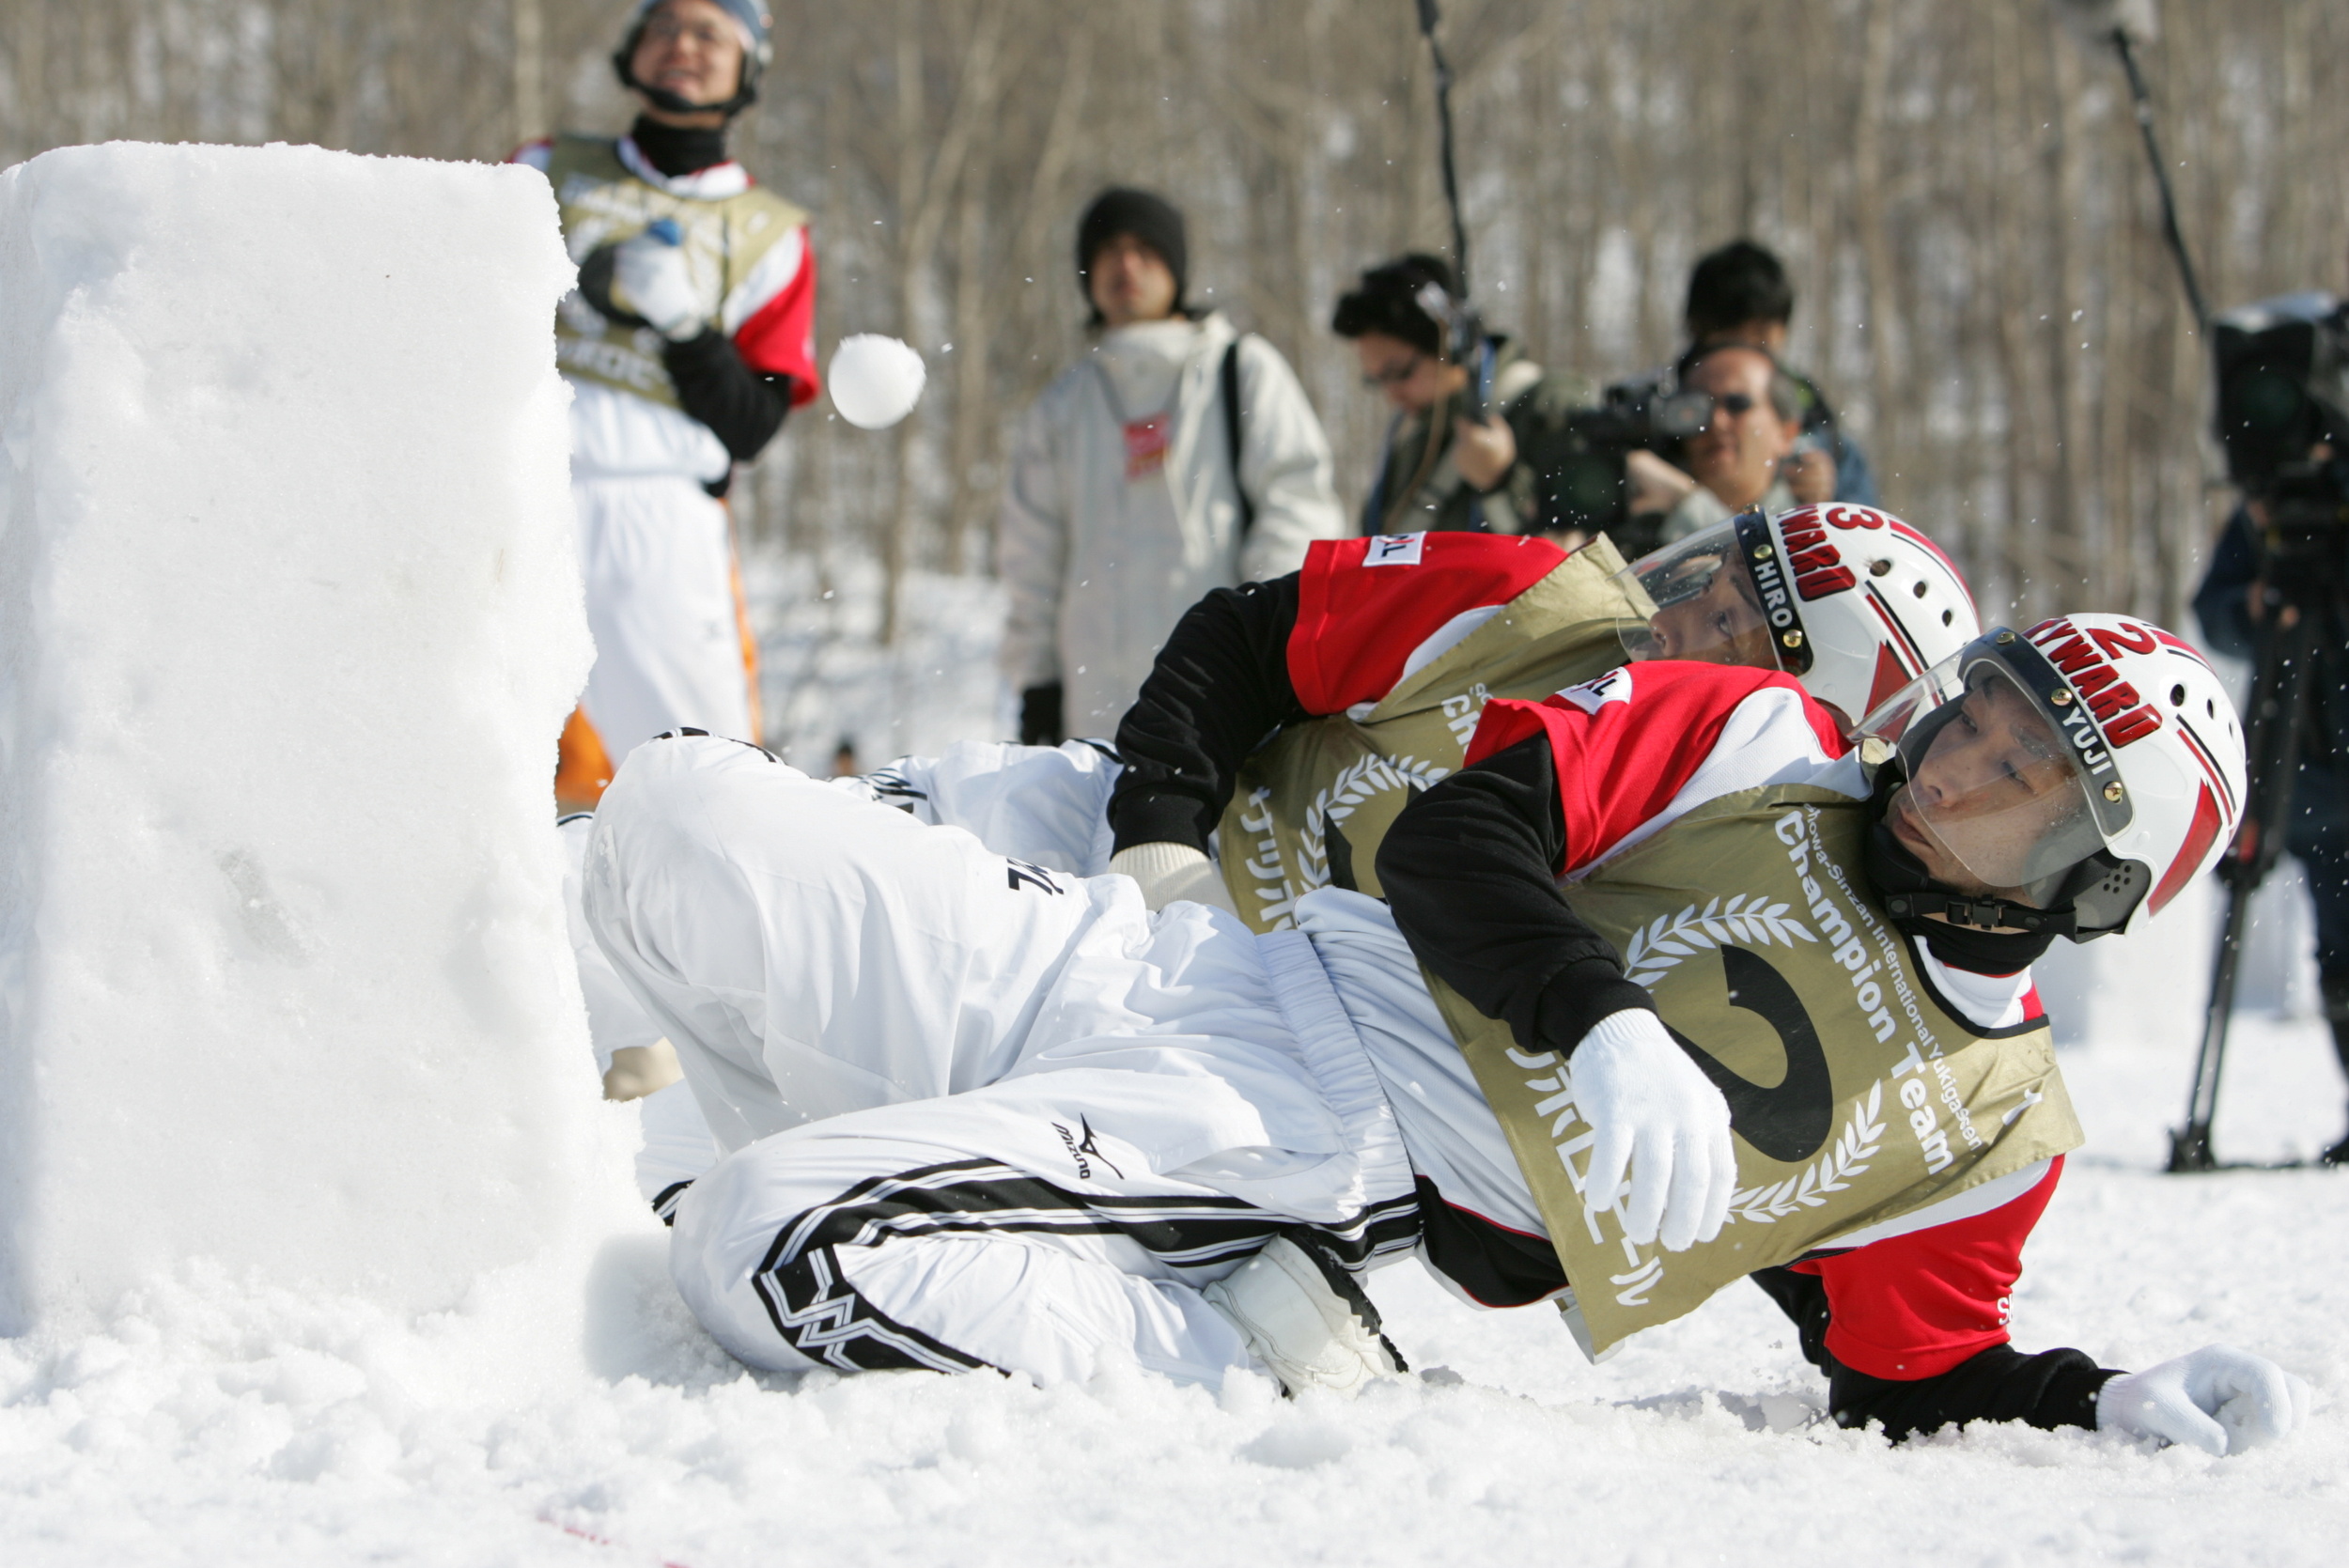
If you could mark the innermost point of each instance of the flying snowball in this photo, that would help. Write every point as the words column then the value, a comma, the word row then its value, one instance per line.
column 875, row 380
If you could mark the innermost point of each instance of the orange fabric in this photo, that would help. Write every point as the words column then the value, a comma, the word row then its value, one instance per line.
column 581, row 768
column 750, row 646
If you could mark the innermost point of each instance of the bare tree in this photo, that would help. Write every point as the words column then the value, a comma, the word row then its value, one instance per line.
column 1957, row 190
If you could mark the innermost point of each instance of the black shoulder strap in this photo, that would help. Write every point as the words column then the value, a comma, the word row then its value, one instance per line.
column 1231, row 436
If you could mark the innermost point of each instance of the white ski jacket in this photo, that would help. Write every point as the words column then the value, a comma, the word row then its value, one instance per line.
column 1110, row 529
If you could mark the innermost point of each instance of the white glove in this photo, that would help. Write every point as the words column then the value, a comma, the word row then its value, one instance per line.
column 1173, row 874
column 2219, row 1399
column 652, row 281
column 1657, row 1112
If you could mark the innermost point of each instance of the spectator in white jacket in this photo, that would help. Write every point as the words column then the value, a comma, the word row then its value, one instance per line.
column 1178, row 456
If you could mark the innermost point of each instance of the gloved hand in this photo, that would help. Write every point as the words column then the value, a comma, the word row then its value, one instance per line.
column 2219, row 1399
column 651, row 281
column 1173, row 874
column 1655, row 1112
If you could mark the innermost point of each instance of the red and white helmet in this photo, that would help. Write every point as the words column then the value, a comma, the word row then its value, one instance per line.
column 2127, row 738
column 1852, row 602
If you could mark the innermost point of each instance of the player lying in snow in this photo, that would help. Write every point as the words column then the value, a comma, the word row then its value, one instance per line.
column 1302, row 713
column 1299, row 714
column 980, row 1114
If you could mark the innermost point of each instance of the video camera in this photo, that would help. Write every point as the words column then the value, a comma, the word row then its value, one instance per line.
column 1583, row 484
column 2284, row 389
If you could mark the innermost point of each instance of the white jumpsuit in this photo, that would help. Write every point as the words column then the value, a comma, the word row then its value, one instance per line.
column 978, row 1112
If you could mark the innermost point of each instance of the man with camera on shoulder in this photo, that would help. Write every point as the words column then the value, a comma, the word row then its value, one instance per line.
column 1744, row 456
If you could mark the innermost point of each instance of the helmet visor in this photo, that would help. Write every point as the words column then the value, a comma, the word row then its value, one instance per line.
column 1995, row 798
column 1706, row 604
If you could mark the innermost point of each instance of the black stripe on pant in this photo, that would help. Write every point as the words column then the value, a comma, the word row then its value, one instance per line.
column 818, row 1314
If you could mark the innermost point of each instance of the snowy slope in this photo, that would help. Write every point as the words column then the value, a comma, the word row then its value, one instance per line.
column 213, row 1416
column 205, row 1425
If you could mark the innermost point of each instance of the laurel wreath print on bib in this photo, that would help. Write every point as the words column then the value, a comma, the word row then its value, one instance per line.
column 1669, row 938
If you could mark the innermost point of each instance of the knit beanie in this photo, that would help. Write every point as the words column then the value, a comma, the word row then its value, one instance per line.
column 1149, row 218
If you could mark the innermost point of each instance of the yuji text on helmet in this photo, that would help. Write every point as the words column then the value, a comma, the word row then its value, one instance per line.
column 2072, row 779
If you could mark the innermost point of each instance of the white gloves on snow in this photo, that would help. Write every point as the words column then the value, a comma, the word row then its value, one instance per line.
column 652, row 279
column 2218, row 1399
column 1655, row 1112
column 1173, row 874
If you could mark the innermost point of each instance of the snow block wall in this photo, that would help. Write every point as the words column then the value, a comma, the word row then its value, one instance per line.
column 290, row 619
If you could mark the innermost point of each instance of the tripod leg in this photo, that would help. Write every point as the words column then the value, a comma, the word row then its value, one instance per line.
column 2279, row 701
column 2337, row 1014
column 2189, row 1146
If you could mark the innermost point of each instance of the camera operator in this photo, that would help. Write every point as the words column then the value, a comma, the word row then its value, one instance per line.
column 1740, row 294
column 2237, row 605
column 1442, row 469
column 1746, row 452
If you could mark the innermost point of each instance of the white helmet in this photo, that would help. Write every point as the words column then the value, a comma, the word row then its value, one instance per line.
column 2089, row 768
column 1852, row 602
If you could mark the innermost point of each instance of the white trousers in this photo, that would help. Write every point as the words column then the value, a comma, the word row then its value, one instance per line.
column 677, row 1146
column 978, row 1112
column 657, row 564
column 1046, row 805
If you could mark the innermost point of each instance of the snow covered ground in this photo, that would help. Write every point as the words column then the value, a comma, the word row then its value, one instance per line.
column 248, row 1414
column 204, row 1424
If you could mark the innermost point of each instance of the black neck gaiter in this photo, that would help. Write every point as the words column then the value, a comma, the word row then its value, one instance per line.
column 675, row 150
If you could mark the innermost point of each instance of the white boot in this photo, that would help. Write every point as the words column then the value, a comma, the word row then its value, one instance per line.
column 1310, row 1324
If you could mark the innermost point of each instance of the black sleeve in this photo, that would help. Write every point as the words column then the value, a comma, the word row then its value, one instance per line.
column 742, row 407
column 2055, row 1387
column 1220, row 686
column 1471, row 869
column 2223, row 602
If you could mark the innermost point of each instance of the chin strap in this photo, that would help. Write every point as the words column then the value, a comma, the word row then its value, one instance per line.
column 1982, row 913
column 669, row 102
column 1976, row 932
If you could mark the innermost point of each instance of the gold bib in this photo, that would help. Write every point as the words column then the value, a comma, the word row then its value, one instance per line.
column 1855, row 1097
column 1312, row 806
column 602, row 203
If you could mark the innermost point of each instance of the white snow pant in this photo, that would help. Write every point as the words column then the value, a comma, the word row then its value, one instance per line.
column 676, row 1147
column 1047, row 805
column 658, row 564
column 978, row 1112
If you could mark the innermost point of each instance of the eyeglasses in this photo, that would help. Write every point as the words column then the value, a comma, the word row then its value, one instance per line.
column 664, row 28
column 1735, row 403
column 1395, row 374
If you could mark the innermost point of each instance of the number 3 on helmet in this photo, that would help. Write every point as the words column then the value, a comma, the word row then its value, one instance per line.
column 1850, row 600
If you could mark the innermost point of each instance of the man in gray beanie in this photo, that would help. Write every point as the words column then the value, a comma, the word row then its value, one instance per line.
column 1176, row 457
